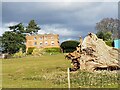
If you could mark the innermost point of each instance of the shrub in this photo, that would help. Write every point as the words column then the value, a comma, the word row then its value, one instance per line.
column 38, row 51
column 106, row 36
column 52, row 50
column 69, row 50
column 19, row 54
column 110, row 43
column 30, row 50
column 69, row 46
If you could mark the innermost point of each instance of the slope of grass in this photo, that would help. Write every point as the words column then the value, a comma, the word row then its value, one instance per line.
column 32, row 71
column 50, row 71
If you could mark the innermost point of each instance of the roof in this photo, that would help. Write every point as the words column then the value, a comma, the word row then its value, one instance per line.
column 41, row 34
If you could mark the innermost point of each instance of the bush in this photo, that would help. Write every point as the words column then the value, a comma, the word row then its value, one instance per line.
column 69, row 50
column 106, row 36
column 38, row 51
column 52, row 50
column 110, row 43
column 30, row 50
column 69, row 46
column 19, row 54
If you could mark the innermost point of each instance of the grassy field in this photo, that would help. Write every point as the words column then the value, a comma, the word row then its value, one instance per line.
column 50, row 71
column 30, row 72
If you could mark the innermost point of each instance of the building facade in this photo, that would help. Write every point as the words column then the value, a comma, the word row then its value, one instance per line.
column 42, row 41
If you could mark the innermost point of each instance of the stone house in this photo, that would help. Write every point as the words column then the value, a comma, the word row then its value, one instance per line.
column 42, row 41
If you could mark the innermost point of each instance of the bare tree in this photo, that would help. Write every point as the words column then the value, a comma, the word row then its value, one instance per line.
column 109, row 25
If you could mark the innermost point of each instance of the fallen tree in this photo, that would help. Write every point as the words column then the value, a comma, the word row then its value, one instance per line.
column 92, row 54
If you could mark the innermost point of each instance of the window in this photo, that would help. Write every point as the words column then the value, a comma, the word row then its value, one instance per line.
column 35, row 43
column 45, row 38
column 35, row 38
column 52, row 43
column 40, row 38
column 46, row 42
column 40, row 43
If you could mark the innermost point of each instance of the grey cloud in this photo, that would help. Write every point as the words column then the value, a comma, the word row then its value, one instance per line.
column 51, row 12
column 77, row 16
column 0, row 14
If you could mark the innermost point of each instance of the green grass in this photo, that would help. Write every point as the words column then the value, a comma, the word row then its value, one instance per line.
column 98, row 79
column 33, row 72
column 50, row 71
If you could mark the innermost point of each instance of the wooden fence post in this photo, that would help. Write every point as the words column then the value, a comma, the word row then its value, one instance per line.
column 68, row 78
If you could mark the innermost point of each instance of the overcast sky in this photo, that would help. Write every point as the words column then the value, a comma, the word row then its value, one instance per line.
column 68, row 19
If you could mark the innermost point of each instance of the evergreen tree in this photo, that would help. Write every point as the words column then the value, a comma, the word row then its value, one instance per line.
column 32, row 27
column 19, row 28
column 13, row 40
column 69, row 46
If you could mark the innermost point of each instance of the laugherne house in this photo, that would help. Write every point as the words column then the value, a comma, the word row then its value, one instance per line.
column 42, row 41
